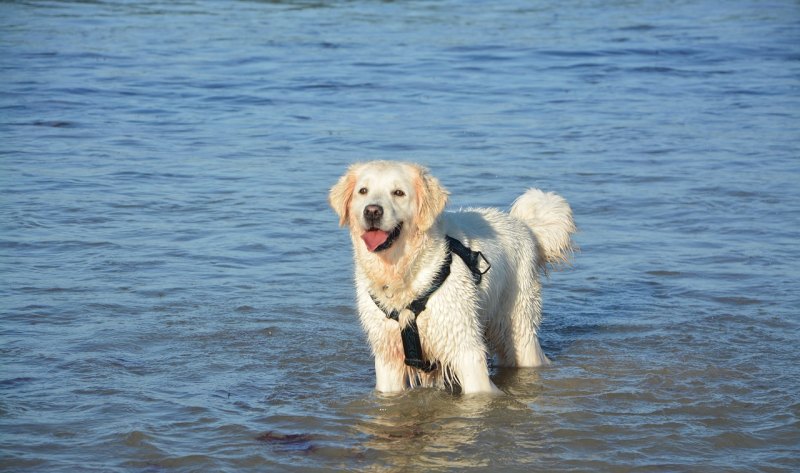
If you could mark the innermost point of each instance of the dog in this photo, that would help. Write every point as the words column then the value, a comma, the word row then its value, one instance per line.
column 438, row 292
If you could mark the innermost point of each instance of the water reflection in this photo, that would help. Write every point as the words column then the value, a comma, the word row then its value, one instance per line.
column 432, row 428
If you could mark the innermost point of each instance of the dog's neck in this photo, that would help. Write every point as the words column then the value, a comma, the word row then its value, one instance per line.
column 399, row 274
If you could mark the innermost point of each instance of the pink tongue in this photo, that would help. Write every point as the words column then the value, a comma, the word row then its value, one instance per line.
column 374, row 238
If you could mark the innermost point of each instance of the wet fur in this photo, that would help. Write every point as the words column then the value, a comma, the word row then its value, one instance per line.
column 463, row 323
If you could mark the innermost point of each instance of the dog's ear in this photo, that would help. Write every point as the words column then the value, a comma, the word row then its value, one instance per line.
column 342, row 193
column 431, row 198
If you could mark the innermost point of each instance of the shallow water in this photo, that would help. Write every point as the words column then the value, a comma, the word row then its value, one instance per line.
column 177, row 296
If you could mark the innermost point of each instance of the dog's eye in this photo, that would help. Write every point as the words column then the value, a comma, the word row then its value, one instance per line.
column 362, row 191
column 399, row 193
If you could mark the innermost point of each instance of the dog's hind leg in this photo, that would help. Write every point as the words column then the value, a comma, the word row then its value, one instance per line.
column 526, row 351
column 522, row 348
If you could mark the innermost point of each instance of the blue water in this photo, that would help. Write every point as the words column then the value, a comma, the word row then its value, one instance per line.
column 176, row 295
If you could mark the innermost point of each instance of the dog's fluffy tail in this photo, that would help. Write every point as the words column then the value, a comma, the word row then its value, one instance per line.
column 549, row 216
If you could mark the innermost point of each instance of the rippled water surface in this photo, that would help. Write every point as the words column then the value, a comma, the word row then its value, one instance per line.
column 176, row 295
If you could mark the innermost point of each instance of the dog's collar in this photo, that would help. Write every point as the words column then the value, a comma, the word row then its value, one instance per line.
column 410, row 334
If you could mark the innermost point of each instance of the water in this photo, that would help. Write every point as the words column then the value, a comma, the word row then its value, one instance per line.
column 176, row 295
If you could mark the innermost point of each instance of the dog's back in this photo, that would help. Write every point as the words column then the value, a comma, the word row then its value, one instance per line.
column 518, row 245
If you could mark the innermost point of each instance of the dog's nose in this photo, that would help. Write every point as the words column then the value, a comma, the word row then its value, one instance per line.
column 373, row 214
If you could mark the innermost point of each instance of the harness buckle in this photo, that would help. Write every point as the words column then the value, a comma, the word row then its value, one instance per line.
column 477, row 265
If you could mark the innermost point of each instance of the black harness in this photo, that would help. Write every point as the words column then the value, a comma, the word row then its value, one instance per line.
column 410, row 334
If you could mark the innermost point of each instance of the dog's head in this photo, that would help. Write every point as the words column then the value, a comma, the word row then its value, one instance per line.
column 382, row 201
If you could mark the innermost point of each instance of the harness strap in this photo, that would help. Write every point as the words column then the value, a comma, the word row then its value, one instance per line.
column 412, row 348
column 471, row 258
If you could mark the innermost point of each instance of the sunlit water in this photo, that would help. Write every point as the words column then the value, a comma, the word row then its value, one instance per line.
column 176, row 294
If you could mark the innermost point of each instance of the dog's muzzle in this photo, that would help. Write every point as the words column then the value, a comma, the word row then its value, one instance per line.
column 379, row 240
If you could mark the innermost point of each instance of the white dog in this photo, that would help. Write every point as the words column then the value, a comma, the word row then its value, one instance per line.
column 439, row 291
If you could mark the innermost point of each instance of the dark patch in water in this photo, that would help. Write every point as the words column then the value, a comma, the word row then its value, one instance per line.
column 53, row 123
column 14, row 382
column 664, row 273
column 737, row 300
column 288, row 442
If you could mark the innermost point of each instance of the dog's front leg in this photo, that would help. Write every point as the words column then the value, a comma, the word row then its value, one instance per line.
column 389, row 375
column 452, row 329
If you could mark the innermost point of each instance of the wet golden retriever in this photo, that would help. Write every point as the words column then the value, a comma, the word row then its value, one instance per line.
column 412, row 291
